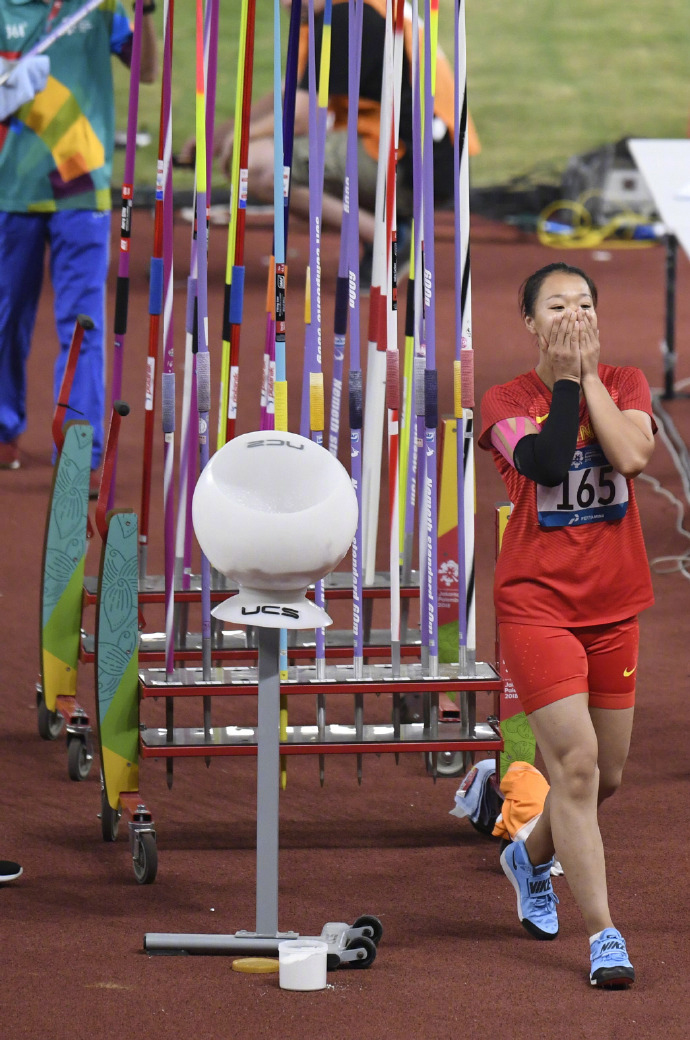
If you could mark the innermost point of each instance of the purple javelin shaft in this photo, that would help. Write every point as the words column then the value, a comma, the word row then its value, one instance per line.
column 127, row 193
column 355, row 19
column 313, row 361
column 317, row 134
column 430, row 377
column 460, row 117
column 188, row 440
column 168, row 376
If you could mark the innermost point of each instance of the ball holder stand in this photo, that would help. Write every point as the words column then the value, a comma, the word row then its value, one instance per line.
column 354, row 944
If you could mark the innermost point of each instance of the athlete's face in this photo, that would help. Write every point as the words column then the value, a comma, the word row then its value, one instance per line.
column 560, row 293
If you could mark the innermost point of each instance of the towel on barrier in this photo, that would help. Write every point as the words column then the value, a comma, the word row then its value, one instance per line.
column 478, row 797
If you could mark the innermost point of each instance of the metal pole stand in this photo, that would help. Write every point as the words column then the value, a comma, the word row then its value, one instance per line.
column 668, row 347
column 347, row 944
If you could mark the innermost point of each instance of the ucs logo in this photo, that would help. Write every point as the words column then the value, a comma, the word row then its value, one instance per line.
column 275, row 442
column 274, row 610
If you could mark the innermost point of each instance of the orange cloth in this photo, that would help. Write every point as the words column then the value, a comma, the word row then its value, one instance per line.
column 525, row 790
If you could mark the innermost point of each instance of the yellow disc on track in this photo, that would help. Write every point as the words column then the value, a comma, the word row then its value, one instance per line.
column 255, row 965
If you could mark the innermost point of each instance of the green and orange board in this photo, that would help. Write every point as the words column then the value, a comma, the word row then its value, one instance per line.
column 64, row 557
column 117, row 657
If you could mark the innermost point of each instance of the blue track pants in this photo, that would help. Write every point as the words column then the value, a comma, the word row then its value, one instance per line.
column 78, row 241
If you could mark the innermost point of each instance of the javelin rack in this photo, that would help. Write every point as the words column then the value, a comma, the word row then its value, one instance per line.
column 241, row 644
column 428, row 736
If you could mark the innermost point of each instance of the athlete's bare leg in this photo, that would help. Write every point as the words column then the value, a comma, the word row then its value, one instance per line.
column 613, row 728
column 567, row 740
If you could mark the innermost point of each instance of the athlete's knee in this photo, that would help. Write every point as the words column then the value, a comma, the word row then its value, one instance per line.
column 610, row 778
column 577, row 774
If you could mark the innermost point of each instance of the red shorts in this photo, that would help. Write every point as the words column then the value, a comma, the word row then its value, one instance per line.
column 547, row 664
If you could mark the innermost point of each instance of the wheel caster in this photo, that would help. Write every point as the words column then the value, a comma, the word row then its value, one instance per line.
column 110, row 819
column 450, row 763
column 145, row 858
column 50, row 723
column 79, row 760
column 374, row 926
column 366, row 952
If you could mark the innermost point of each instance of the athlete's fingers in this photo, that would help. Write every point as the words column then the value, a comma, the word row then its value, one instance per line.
column 569, row 330
column 561, row 329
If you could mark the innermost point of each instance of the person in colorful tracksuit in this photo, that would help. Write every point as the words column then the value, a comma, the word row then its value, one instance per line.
column 568, row 438
column 55, row 167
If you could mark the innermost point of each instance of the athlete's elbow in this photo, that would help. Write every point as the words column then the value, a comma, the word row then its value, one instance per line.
column 638, row 459
column 632, row 467
column 550, row 477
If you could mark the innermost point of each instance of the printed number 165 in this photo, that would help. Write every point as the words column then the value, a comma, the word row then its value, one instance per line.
column 587, row 492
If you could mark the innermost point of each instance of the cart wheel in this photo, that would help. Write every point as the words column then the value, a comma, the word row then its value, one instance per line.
column 50, row 723
column 145, row 862
column 368, row 946
column 450, row 763
column 78, row 759
column 369, row 921
column 110, row 819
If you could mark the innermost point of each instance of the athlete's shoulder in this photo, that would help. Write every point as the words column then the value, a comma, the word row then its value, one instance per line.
column 626, row 382
column 518, row 389
column 505, row 401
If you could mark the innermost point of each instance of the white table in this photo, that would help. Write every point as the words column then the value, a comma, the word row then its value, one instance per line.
column 665, row 166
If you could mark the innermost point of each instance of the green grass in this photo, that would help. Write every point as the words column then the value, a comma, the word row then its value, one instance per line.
column 546, row 79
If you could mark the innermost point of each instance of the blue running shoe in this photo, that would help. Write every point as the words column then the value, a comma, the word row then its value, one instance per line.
column 536, row 900
column 611, row 968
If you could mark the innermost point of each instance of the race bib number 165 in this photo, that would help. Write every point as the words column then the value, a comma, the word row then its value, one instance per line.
column 593, row 491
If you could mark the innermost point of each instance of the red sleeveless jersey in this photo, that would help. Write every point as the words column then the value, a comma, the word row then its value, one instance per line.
column 572, row 555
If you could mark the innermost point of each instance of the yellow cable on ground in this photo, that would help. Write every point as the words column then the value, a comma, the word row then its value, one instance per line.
column 577, row 231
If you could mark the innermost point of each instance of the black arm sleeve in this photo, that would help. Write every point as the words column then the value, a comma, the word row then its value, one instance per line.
column 545, row 457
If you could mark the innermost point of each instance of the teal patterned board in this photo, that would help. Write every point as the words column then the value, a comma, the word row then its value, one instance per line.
column 117, row 664
column 64, row 555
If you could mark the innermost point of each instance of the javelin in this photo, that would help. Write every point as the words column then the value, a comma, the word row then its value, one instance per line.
column 288, row 123
column 313, row 371
column 463, row 367
column 122, row 289
column 430, row 375
column 203, row 360
column 378, row 308
column 234, row 272
column 392, row 353
column 47, row 41
column 187, row 461
column 164, row 229
column 156, row 281
column 280, row 384
column 318, row 115
column 411, row 426
column 351, row 194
